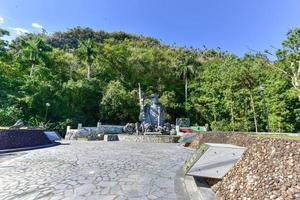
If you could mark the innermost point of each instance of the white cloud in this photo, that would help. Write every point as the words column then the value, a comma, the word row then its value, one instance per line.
column 1, row 20
column 20, row 31
column 37, row 25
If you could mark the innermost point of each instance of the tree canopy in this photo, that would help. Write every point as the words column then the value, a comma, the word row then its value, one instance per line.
column 88, row 75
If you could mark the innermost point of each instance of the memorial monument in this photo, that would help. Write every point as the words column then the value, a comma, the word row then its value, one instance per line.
column 151, row 122
column 152, row 116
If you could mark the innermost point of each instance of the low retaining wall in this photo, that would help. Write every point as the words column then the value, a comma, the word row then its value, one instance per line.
column 83, row 132
column 149, row 138
column 269, row 169
column 21, row 138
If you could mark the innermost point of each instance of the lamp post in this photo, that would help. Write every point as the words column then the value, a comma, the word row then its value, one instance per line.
column 46, row 113
column 266, row 111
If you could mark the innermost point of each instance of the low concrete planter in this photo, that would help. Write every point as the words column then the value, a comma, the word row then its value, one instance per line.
column 108, row 138
column 85, row 132
column 149, row 138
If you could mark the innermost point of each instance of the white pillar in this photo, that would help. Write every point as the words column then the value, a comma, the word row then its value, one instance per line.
column 98, row 124
column 158, row 118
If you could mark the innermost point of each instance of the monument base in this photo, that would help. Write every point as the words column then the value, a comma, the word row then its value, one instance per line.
column 152, row 133
column 153, row 138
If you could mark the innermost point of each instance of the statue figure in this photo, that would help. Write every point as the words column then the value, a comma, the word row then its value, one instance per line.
column 153, row 113
column 152, row 117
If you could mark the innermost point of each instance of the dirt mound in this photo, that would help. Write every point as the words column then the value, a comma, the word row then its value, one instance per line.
column 10, row 139
column 269, row 169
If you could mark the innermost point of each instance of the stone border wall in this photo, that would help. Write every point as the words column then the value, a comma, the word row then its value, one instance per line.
column 149, row 138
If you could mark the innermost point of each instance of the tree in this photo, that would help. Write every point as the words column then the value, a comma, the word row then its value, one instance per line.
column 250, row 77
column 186, row 68
column 118, row 105
column 87, row 52
column 63, row 65
column 34, row 49
column 289, row 59
column 220, row 88
column 3, row 43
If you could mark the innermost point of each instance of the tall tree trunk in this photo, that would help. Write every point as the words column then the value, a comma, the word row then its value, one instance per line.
column 254, row 113
column 186, row 88
column 88, row 71
column 295, row 82
column 232, row 116
column 32, row 69
column 71, row 71
column 214, row 108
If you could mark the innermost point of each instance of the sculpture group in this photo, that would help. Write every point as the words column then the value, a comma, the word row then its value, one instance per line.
column 151, row 122
column 151, row 118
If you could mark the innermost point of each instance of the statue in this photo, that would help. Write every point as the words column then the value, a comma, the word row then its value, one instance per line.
column 151, row 115
column 154, row 113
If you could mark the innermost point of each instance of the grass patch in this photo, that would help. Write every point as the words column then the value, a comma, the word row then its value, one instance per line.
column 277, row 136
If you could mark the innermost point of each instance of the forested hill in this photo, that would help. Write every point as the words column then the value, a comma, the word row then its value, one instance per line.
column 86, row 76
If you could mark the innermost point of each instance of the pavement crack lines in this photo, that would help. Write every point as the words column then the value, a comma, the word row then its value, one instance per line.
column 96, row 170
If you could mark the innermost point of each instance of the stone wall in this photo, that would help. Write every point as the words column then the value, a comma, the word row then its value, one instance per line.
column 21, row 138
column 149, row 138
column 84, row 132
column 269, row 169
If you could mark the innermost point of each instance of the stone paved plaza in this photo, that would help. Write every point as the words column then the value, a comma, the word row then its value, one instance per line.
column 94, row 170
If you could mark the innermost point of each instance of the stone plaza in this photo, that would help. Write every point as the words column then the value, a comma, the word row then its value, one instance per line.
column 94, row 170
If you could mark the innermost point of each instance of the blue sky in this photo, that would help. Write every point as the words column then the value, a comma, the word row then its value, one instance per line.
column 233, row 25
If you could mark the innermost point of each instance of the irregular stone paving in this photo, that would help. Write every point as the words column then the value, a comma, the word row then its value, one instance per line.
column 94, row 170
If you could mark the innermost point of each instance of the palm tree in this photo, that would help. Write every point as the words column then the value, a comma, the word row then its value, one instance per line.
column 186, row 69
column 34, row 48
column 86, row 51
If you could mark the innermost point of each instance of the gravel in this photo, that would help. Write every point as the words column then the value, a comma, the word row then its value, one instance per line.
column 269, row 169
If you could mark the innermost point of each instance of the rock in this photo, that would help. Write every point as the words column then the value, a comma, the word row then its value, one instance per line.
column 129, row 128
column 108, row 138
column 173, row 131
column 148, row 128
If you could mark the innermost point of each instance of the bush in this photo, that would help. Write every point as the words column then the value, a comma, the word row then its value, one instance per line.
column 9, row 115
column 222, row 125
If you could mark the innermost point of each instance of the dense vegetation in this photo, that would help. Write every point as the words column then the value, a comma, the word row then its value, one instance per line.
column 87, row 76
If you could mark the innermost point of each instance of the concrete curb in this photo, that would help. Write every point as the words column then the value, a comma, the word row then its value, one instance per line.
column 192, row 188
column 29, row 148
column 180, row 187
column 198, row 189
